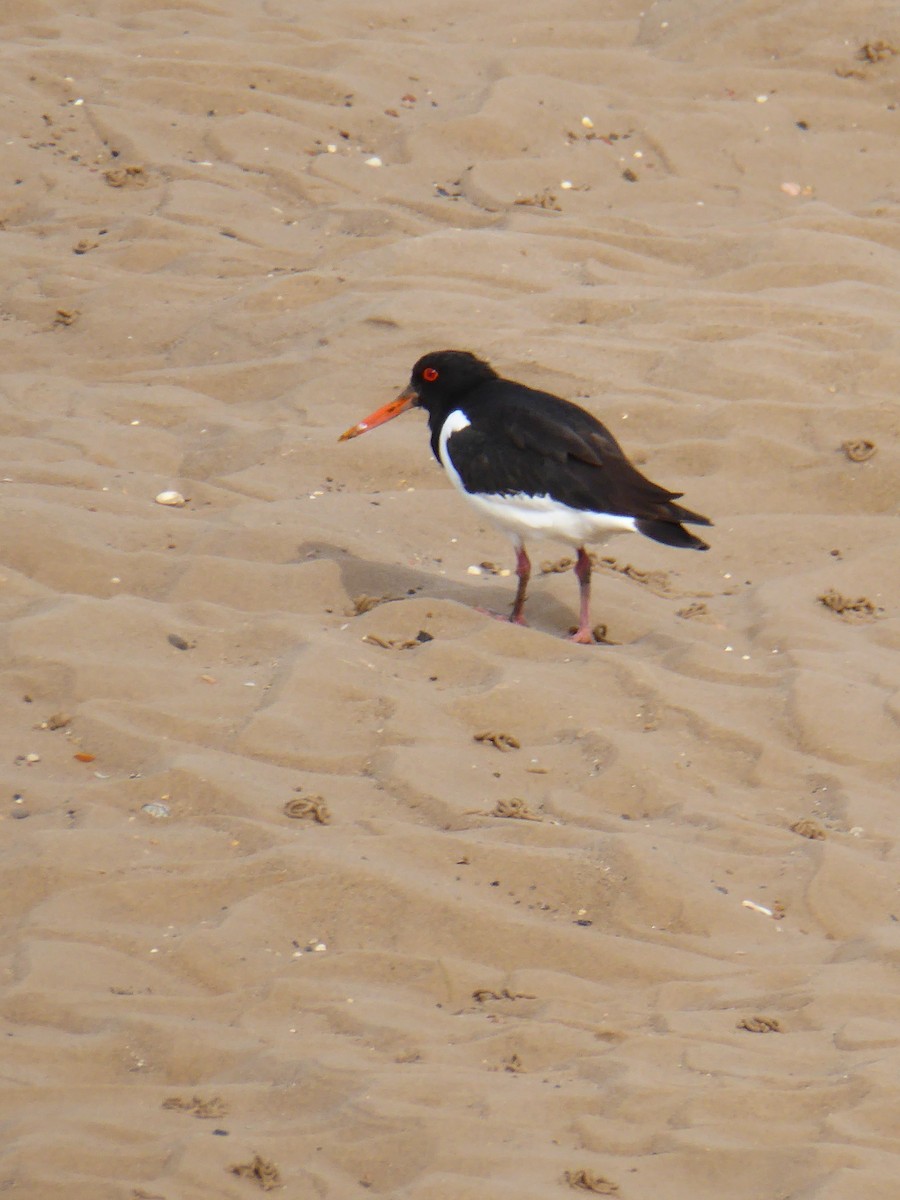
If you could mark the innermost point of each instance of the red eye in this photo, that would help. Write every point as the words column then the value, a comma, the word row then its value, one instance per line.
column 430, row 374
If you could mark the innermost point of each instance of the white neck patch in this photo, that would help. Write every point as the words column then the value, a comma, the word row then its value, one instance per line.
column 456, row 422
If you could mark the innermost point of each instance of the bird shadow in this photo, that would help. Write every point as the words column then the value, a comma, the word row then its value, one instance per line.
column 363, row 577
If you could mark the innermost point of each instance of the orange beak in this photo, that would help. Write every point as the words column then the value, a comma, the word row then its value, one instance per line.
column 387, row 412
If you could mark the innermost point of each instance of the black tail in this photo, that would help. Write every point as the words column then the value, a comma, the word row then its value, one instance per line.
column 673, row 534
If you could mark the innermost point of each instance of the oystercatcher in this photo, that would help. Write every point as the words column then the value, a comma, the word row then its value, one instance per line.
column 534, row 465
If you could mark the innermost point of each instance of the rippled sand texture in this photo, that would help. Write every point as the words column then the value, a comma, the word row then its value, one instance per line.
column 458, row 970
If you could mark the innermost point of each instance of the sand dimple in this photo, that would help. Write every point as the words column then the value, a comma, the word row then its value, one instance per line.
column 398, row 899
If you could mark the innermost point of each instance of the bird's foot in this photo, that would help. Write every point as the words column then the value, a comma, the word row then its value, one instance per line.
column 584, row 637
column 510, row 619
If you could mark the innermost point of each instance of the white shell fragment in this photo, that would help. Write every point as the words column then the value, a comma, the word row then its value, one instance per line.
column 173, row 499
column 153, row 809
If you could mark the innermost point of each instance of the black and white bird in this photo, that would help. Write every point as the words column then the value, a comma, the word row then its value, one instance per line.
column 535, row 465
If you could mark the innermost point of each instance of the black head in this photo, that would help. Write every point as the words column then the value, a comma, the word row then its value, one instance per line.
column 439, row 382
column 442, row 377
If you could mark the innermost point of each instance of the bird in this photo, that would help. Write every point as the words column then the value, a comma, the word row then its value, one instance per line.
column 535, row 465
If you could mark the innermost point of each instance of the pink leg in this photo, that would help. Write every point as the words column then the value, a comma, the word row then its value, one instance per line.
column 584, row 634
column 523, row 570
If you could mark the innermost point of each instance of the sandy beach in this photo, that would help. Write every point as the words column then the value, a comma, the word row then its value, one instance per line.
column 315, row 879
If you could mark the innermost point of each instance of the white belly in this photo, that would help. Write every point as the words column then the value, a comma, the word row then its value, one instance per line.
column 523, row 517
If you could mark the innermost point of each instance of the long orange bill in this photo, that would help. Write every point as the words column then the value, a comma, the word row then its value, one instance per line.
column 387, row 412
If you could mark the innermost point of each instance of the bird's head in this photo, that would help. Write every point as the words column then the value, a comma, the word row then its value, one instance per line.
column 438, row 379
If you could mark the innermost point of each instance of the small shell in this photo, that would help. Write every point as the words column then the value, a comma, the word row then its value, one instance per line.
column 155, row 810
column 173, row 499
column 374, row 161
